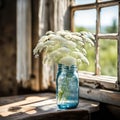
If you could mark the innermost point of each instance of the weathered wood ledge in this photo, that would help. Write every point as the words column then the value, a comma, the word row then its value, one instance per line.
column 42, row 107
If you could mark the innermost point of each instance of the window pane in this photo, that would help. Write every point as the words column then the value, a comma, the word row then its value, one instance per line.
column 91, row 58
column 109, row 19
column 108, row 57
column 85, row 20
column 81, row 2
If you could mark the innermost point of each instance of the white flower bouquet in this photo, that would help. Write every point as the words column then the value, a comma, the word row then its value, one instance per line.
column 64, row 47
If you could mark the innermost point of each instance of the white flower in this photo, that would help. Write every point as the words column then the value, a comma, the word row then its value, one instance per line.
column 52, row 48
column 64, row 47
column 49, row 32
column 69, row 44
column 38, row 48
column 91, row 36
column 49, row 43
column 63, row 33
column 57, row 54
column 68, row 60
column 68, row 36
column 43, row 39
column 57, row 38
column 87, row 37
column 79, row 55
column 63, row 50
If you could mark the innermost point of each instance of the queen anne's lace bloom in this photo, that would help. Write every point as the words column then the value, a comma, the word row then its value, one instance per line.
column 64, row 47
column 68, row 60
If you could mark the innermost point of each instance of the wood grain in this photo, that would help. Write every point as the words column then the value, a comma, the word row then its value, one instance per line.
column 42, row 107
column 101, row 95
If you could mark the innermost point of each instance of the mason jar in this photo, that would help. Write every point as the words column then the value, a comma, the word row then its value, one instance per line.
column 67, row 88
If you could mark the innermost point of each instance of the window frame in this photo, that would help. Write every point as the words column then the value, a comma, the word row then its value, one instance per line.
column 94, row 84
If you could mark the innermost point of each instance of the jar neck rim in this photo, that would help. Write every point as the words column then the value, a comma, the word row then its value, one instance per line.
column 72, row 66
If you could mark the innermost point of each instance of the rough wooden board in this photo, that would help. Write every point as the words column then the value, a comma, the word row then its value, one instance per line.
column 89, row 79
column 101, row 95
column 39, row 106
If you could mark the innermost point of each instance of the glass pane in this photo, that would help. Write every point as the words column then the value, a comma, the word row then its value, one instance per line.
column 109, row 19
column 108, row 57
column 91, row 59
column 85, row 20
column 81, row 2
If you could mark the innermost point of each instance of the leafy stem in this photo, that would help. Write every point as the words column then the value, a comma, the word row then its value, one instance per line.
column 63, row 92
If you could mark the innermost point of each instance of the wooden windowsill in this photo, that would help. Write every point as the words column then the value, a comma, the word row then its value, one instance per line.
column 100, row 88
column 100, row 95
column 39, row 106
column 89, row 79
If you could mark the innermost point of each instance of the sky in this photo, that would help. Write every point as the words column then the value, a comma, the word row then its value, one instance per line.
column 88, row 17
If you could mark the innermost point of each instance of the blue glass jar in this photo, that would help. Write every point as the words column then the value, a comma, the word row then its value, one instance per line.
column 67, row 89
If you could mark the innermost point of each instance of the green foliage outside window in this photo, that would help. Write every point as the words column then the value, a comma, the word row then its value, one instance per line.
column 108, row 54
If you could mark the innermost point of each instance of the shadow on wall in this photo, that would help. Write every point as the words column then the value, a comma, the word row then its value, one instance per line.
column 7, row 47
